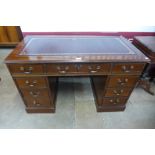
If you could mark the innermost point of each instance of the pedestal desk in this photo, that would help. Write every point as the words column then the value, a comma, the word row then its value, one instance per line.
column 112, row 63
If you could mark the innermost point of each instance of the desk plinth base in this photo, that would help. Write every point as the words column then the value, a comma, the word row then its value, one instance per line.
column 40, row 110
column 110, row 109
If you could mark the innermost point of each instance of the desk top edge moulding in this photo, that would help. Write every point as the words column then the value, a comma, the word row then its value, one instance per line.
column 43, row 48
column 112, row 63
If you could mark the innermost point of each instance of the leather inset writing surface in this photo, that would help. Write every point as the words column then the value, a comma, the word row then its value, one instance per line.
column 44, row 48
column 70, row 45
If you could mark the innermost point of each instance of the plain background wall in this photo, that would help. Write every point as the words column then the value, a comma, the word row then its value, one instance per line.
column 50, row 28
column 79, row 15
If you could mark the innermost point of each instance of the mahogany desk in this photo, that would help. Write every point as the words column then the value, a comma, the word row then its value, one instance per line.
column 112, row 63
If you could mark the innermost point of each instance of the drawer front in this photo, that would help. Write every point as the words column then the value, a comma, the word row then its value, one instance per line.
column 124, row 68
column 94, row 68
column 117, row 92
column 61, row 68
column 114, row 101
column 31, row 82
column 122, row 81
column 38, row 102
column 26, row 68
column 36, row 97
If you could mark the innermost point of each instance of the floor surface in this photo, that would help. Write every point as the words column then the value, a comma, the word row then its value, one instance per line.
column 75, row 107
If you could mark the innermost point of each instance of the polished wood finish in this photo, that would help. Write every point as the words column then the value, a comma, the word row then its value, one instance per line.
column 117, row 92
column 61, row 69
column 10, row 36
column 114, row 101
column 123, row 81
column 37, row 98
column 78, row 68
column 97, row 68
column 31, row 82
column 127, row 68
column 39, row 93
column 113, row 64
column 26, row 69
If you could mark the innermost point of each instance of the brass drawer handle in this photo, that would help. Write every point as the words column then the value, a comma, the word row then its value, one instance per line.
column 62, row 70
column 127, row 69
column 122, row 82
column 115, row 101
column 36, row 103
column 98, row 67
column 94, row 71
column 26, row 71
column 31, row 84
column 111, row 100
column 118, row 92
column 34, row 94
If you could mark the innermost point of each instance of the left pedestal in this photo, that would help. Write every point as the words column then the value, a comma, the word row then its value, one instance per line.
column 37, row 91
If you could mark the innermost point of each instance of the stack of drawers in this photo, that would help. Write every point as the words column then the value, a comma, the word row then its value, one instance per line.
column 35, row 90
column 112, row 83
column 113, row 92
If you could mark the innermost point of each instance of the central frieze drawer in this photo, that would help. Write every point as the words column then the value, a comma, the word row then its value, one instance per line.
column 78, row 68
column 127, row 68
column 122, row 81
column 31, row 82
column 26, row 68
column 61, row 68
column 94, row 68
column 36, row 97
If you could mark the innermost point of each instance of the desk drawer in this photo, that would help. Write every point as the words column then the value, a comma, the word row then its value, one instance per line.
column 26, row 68
column 117, row 92
column 122, row 81
column 114, row 101
column 31, row 82
column 37, row 97
column 61, row 68
column 127, row 68
column 94, row 68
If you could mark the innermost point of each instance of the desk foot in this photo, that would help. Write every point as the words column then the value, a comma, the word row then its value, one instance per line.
column 110, row 109
column 38, row 110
